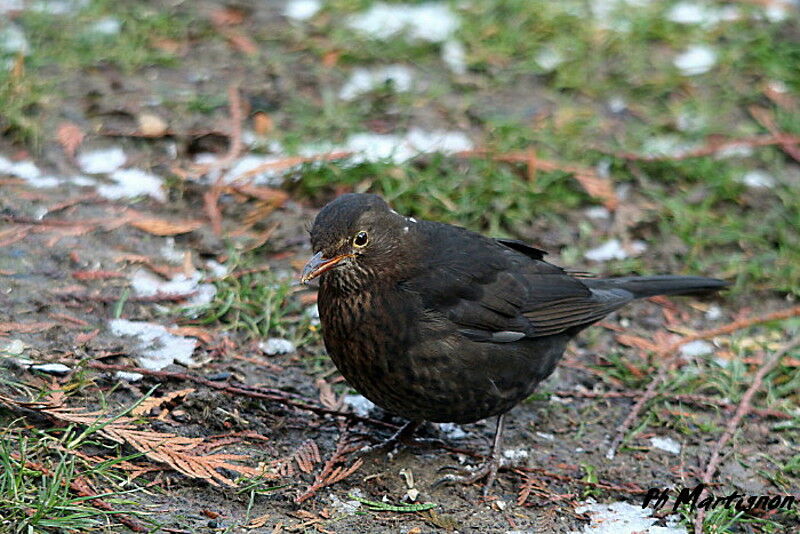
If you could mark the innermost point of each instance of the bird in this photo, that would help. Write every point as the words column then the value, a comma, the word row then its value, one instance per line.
column 433, row 322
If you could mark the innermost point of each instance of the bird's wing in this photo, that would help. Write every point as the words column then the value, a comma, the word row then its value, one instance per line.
column 502, row 291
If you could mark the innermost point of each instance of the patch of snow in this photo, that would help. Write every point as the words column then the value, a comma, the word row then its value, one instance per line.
column 147, row 284
column 363, row 80
column 549, row 58
column 780, row 10
column 7, row 6
column 132, row 183
column 170, row 253
column 276, row 345
column 713, row 313
column 106, row 26
column 13, row 40
column 697, row 59
column 665, row 444
column 250, row 162
column 15, row 347
column 102, row 161
column 28, row 171
column 81, row 180
column 157, row 348
column 56, row 7
column 216, row 269
column 515, row 456
column 301, row 10
column 361, row 405
column 597, row 212
column 617, row 104
column 758, row 179
column 434, row 22
column 544, row 435
column 454, row 56
column 697, row 348
column 703, row 15
column 613, row 250
column 376, row 147
column 666, row 145
column 623, row 518
column 452, row 430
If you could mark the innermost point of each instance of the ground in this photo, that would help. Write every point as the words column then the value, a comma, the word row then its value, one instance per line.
column 160, row 163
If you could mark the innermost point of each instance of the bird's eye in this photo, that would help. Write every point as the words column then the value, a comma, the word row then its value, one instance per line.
column 360, row 240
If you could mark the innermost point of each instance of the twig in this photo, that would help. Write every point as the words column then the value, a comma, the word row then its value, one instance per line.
column 680, row 397
column 667, row 365
column 79, row 486
column 275, row 395
column 743, row 409
column 158, row 297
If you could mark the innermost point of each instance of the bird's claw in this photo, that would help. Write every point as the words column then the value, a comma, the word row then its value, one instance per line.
column 488, row 470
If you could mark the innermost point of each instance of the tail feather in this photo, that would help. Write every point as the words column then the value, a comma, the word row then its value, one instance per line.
column 649, row 286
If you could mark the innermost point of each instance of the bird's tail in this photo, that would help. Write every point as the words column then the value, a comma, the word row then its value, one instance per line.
column 649, row 286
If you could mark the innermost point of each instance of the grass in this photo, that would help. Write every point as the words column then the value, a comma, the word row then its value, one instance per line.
column 36, row 499
column 260, row 304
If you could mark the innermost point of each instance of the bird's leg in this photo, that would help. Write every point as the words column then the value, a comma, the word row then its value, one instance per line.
column 489, row 468
column 403, row 435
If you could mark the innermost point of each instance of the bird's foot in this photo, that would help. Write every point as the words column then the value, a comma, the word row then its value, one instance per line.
column 487, row 470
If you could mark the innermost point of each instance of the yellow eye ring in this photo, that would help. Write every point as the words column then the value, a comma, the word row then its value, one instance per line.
column 360, row 240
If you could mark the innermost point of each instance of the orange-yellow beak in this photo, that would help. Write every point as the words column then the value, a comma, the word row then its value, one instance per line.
column 319, row 264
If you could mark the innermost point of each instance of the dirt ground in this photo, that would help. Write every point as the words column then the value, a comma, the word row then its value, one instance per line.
column 73, row 260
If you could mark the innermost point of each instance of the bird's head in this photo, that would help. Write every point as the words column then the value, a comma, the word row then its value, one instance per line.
column 358, row 239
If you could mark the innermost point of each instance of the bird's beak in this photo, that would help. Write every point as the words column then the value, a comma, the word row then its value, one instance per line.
column 319, row 264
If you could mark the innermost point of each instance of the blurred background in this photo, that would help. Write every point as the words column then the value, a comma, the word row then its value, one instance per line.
column 668, row 106
column 160, row 162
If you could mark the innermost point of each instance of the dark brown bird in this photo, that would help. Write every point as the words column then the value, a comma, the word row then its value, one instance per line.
column 433, row 322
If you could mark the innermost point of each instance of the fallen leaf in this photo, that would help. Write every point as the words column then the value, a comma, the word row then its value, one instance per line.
column 164, row 227
column 26, row 328
column 69, row 136
column 96, row 275
column 82, row 339
column 263, row 123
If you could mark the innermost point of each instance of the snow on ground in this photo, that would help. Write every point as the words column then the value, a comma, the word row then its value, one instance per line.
column 434, row 22
column 623, row 518
column 665, row 444
column 363, row 80
column 697, row 59
column 613, row 250
column 101, row 161
column 301, row 10
column 129, row 183
column 147, row 284
column 157, row 348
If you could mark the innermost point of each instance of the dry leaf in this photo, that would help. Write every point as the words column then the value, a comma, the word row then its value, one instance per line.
column 70, row 137
column 85, row 337
column 96, row 275
column 164, row 227
column 25, row 328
